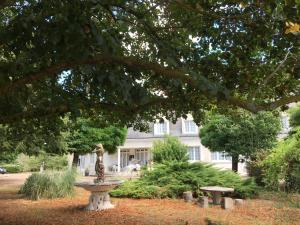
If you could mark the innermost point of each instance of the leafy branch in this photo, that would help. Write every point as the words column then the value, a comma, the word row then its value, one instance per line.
column 208, row 88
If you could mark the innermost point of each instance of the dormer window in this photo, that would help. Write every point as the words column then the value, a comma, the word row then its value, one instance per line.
column 189, row 127
column 161, row 128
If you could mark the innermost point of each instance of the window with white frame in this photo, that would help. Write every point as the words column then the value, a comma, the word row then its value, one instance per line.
column 161, row 128
column 220, row 156
column 194, row 153
column 189, row 127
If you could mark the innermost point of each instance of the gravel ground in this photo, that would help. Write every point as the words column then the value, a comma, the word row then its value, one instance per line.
column 16, row 210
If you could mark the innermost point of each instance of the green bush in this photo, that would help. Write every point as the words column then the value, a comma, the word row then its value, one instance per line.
column 12, row 168
column 170, row 149
column 255, row 166
column 7, row 157
column 52, row 184
column 170, row 180
column 284, row 164
column 33, row 163
column 295, row 116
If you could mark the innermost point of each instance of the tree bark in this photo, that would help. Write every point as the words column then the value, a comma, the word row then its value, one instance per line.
column 75, row 159
column 234, row 165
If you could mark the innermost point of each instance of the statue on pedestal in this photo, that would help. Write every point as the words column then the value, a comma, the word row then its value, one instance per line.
column 99, row 167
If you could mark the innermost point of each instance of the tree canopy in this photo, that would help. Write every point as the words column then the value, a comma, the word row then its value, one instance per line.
column 243, row 134
column 85, row 134
column 129, row 61
column 82, row 137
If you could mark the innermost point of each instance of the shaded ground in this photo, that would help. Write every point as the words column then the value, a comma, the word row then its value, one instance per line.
column 16, row 210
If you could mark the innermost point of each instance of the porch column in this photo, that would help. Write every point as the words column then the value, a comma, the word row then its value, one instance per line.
column 119, row 160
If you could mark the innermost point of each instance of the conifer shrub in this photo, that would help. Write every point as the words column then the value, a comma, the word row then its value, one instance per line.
column 171, row 179
column 52, row 184
column 170, row 149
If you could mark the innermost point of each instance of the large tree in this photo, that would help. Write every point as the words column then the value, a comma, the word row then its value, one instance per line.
column 240, row 134
column 131, row 60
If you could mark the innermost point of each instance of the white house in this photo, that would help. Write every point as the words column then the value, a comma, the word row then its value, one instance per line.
column 138, row 146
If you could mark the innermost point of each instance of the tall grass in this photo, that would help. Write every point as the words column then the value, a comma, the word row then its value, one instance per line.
column 53, row 184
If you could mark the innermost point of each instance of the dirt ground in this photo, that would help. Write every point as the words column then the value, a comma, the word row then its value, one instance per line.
column 69, row 211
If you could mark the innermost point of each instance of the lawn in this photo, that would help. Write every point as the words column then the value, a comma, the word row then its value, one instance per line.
column 69, row 211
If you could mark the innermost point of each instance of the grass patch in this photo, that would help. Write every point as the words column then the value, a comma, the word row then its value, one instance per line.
column 12, row 167
column 282, row 199
column 54, row 184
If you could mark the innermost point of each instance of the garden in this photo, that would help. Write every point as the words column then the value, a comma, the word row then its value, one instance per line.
column 79, row 77
column 156, row 197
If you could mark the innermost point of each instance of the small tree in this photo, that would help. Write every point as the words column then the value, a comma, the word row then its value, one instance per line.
column 86, row 134
column 240, row 134
column 170, row 149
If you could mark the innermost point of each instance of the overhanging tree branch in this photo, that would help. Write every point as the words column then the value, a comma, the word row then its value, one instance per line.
column 55, row 110
column 270, row 76
column 65, row 108
column 208, row 88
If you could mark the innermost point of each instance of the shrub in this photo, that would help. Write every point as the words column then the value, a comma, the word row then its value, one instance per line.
column 8, row 156
column 295, row 116
column 33, row 163
column 52, row 184
column 173, row 178
column 12, row 168
column 170, row 149
column 255, row 166
column 284, row 164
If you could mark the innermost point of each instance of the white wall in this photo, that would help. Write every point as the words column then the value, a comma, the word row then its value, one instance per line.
column 109, row 160
column 112, row 159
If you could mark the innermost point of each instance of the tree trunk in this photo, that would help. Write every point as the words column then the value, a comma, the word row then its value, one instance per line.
column 234, row 165
column 75, row 159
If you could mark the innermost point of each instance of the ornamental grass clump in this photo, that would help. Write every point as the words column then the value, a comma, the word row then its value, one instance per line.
column 53, row 184
column 171, row 179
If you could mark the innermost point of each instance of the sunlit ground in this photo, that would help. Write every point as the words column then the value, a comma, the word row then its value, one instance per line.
column 17, row 210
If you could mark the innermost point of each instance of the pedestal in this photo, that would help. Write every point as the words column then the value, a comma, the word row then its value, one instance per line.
column 217, row 197
column 99, row 201
column 203, row 202
column 227, row 203
column 188, row 196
